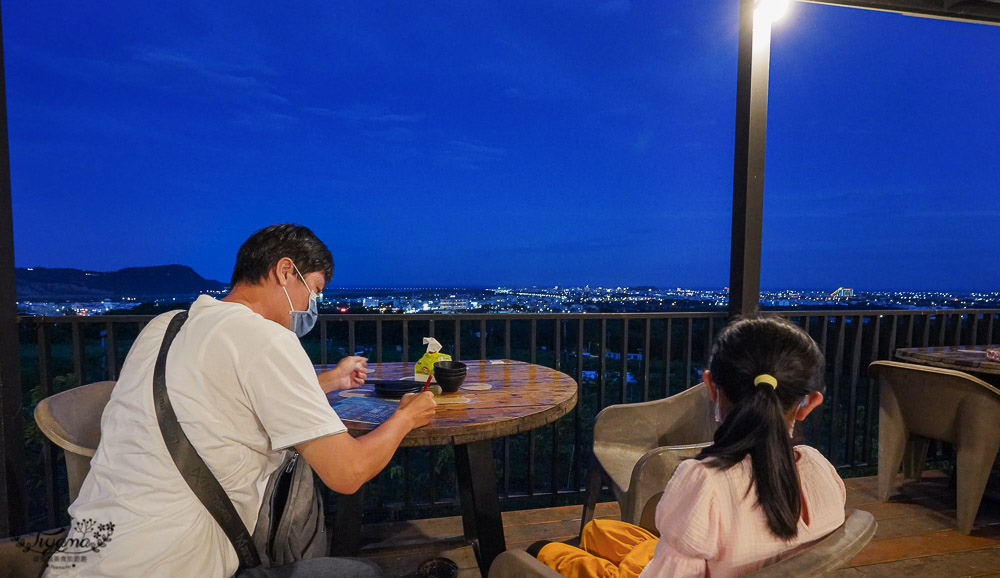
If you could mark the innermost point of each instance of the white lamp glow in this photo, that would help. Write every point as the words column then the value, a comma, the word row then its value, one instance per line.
column 772, row 10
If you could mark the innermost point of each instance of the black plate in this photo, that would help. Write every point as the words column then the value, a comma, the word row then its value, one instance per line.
column 394, row 387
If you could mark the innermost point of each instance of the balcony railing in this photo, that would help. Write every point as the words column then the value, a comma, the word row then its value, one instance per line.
column 615, row 358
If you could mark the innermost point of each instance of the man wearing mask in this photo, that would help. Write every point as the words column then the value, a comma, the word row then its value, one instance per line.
column 243, row 390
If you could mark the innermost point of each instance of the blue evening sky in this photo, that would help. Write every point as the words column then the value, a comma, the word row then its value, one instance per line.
column 501, row 143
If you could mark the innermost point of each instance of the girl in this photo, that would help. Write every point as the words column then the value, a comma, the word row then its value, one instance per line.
column 750, row 498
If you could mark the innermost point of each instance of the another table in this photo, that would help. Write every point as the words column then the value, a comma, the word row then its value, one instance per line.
column 524, row 396
column 967, row 358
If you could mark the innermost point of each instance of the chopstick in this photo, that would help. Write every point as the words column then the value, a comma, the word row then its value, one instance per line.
column 426, row 385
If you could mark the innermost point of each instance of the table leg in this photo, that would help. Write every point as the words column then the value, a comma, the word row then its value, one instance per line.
column 480, row 502
column 346, row 535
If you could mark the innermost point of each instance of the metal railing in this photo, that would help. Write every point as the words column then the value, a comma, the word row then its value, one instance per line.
column 614, row 357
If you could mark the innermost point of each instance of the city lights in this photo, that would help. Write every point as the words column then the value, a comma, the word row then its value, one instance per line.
column 562, row 299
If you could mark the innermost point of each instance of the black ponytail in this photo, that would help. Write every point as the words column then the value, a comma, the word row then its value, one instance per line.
column 756, row 422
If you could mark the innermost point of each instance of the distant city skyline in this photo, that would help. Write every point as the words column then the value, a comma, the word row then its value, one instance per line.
column 839, row 291
column 502, row 144
column 560, row 300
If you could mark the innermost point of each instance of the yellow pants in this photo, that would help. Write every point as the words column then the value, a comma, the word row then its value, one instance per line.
column 607, row 548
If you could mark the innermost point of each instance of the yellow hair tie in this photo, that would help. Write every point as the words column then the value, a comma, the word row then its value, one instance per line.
column 766, row 378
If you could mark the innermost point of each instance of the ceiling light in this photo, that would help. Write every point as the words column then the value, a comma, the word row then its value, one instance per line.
column 772, row 10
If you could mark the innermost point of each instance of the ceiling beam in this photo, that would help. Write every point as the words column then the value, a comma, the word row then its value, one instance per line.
column 981, row 11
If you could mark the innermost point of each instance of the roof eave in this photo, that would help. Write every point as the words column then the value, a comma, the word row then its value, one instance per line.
column 981, row 11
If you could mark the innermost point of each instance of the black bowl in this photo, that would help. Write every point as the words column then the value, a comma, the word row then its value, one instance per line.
column 450, row 367
column 450, row 375
column 449, row 383
column 438, row 375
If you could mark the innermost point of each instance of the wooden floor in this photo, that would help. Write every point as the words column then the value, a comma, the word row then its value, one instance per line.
column 915, row 537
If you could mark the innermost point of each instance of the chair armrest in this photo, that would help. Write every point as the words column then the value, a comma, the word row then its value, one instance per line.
column 684, row 418
column 649, row 478
column 631, row 424
column 829, row 553
column 520, row 564
column 16, row 562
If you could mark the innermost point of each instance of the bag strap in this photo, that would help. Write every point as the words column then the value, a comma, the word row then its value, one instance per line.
column 193, row 469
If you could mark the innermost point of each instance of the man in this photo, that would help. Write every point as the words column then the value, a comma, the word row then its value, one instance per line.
column 243, row 390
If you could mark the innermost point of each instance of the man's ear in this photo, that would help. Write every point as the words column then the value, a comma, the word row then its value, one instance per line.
column 713, row 394
column 283, row 270
column 813, row 400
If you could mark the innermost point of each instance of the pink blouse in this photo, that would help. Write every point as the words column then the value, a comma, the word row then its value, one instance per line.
column 711, row 526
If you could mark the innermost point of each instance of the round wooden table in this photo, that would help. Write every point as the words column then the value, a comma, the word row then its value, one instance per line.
column 521, row 397
column 968, row 358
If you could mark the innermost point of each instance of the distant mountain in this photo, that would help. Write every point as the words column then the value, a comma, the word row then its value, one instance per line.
column 44, row 284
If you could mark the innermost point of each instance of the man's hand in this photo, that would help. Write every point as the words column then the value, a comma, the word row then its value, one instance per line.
column 350, row 372
column 417, row 408
column 345, row 463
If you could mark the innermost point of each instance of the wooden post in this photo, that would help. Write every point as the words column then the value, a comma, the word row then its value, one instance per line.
column 13, row 499
column 748, row 165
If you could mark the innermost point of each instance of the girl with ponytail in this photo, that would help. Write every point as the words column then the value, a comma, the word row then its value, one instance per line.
column 749, row 499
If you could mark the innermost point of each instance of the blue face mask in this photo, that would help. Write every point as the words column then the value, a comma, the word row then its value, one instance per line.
column 302, row 322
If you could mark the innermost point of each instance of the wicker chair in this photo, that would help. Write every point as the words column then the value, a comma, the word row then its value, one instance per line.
column 638, row 446
column 825, row 555
column 72, row 420
column 15, row 562
column 920, row 403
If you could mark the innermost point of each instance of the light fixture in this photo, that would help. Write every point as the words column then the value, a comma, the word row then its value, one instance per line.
column 771, row 10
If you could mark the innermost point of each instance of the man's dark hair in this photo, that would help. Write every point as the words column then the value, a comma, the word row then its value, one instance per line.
column 266, row 247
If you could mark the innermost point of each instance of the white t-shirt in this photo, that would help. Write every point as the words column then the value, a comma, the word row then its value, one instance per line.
column 243, row 390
